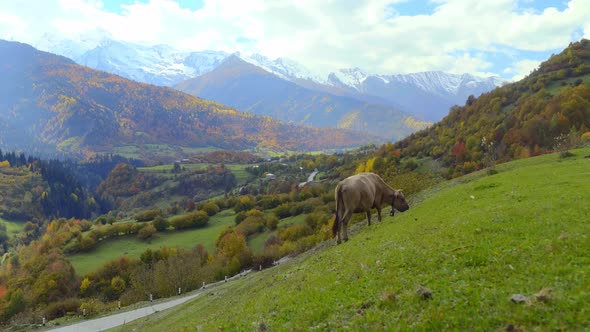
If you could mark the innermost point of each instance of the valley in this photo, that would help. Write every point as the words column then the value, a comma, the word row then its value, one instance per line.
column 484, row 247
column 114, row 192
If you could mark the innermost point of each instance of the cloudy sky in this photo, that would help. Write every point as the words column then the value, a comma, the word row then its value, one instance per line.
column 507, row 38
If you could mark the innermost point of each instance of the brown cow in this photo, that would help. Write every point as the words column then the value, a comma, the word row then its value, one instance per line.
column 360, row 193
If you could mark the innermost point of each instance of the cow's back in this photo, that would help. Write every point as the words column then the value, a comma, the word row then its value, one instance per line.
column 358, row 191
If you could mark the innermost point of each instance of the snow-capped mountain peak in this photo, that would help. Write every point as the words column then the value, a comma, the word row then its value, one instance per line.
column 282, row 67
column 351, row 77
column 72, row 47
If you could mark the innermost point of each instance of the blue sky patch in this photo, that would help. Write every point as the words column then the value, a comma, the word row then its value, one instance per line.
column 412, row 8
column 114, row 6
column 538, row 6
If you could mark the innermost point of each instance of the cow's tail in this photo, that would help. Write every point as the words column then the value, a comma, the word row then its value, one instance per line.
column 336, row 226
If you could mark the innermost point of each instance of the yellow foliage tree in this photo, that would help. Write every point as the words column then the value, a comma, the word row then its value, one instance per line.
column 85, row 285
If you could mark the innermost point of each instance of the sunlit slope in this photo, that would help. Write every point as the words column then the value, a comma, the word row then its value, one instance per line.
column 474, row 242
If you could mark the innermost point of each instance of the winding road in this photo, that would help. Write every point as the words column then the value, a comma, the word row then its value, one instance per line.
column 104, row 323
column 108, row 322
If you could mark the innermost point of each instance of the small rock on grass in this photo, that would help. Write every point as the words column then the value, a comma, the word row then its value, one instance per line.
column 424, row 293
column 518, row 298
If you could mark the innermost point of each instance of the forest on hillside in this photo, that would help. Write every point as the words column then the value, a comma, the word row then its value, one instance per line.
column 547, row 111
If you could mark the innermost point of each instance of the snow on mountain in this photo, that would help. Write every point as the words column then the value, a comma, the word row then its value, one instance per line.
column 282, row 67
column 428, row 95
column 444, row 83
column 436, row 82
column 71, row 47
column 351, row 77
column 164, row 65
column 159, row 65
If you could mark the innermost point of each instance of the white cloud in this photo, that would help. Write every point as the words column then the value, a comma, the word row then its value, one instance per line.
column 522, row 68
column 323, row 35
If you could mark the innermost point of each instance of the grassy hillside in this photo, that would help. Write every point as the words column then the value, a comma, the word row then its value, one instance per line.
column 133, row 247
column 474, row 242
column 239, row 170
column 12, row 227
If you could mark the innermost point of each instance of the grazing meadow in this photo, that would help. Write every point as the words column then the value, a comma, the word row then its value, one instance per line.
column 482, row 252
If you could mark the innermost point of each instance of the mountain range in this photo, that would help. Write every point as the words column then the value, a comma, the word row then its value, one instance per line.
column 426, row 96
column 49, row 101
column 252, row 89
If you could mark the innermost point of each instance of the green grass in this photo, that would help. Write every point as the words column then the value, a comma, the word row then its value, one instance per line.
column 13, row 227
column 131, row 246
column 157, row 150
column 239, row 170
column 188, row 150
column 474, row 242
column 555, row 87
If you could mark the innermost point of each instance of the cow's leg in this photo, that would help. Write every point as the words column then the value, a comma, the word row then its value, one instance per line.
column 369, row 216
column 338, row 241
column 379, row 214
column 345, row 219
column 345, row 230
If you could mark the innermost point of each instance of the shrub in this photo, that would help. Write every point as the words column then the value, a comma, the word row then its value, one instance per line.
column 146, row 232
column 131, row 296
column 244, row 203
column 200, row 218
column 306, row 243
column 85, row 225
column 72, row 246
column 273, row 240
column 469, row 166
column 181, row 222
column 328, row 197
column 286, row 248
column 409, row 164
column 250, row 226
column 283, row 210
column 255, row 222
column 272, row 222
column 92, row 306
column 102, row 220
column 210, row 208
column 294, row 232
column 118, row 284
column 160, row 223
column 297, row 209
column 267, row 257
column 268, row 202
column 240, row 217
column 193, row 219
column 87, row 243
column 316, row 220
column 148, row 215
column 61, row 308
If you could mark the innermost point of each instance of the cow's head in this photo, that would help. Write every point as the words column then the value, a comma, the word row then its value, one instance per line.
column 399, row 202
